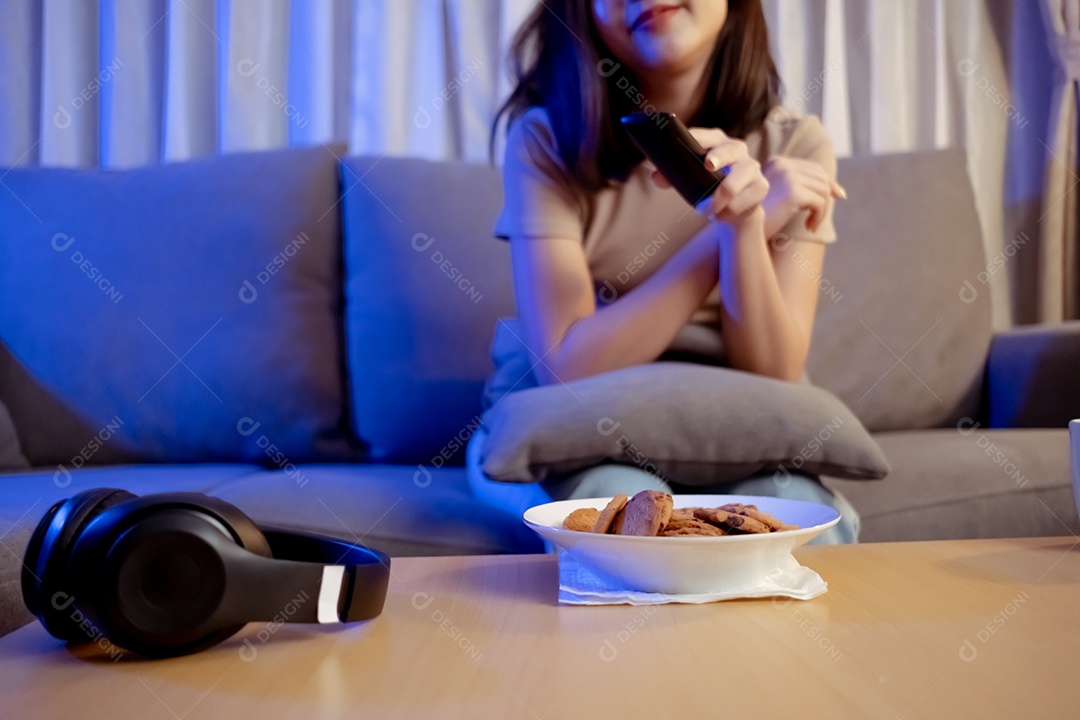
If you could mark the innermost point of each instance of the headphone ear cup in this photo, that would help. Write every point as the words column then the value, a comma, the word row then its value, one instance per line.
column 161, row 571
column 250, row 537
column 45, row 579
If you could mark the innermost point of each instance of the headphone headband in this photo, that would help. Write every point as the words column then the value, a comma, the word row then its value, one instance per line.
column 362, row 582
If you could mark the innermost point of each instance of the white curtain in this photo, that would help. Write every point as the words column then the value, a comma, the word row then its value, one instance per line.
column 892, row 76
column 121, row 83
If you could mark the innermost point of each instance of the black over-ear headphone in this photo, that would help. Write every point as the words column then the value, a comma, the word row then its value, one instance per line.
column 175, row 573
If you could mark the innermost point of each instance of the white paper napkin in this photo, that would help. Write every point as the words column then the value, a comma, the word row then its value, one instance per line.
column 579, row 586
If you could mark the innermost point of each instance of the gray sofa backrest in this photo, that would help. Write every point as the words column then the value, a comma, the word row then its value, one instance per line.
column 425, row 282
column 177, row 313
column 237, row 258
column 903, row 323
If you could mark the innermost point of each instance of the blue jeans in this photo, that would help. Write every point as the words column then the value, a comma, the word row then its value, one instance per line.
column 613, row 479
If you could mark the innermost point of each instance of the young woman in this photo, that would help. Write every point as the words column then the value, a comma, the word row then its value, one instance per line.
column 610, row 265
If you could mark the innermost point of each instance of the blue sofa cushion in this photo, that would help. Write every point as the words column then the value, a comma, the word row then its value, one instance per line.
column 398, row 509
column 426, row 282
column 179, row 313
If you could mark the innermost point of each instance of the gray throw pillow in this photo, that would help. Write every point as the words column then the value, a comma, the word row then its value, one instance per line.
column 692, row 424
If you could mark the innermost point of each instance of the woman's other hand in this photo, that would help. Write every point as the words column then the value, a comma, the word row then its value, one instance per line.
column 795, row 186
column 782, row 187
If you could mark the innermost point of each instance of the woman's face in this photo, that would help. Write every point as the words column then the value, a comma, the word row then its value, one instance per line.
column 665, row 35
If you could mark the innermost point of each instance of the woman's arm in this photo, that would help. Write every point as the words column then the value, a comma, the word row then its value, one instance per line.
column 571, row 339
column 768, row 295
column 768, row 299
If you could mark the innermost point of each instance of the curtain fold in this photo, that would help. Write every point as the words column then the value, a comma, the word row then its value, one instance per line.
column 1059, row 272
column 318, row 82
column 190, row 106
column 122, row 83
column 71, row 83
column 132, row 64
column 836, row 99
column 256, row 111
column 20, row 82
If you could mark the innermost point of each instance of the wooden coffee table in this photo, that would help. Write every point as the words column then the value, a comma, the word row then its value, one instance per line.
column 986, row 628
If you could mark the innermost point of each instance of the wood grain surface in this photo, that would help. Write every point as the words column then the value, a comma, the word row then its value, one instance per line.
column 981, row 628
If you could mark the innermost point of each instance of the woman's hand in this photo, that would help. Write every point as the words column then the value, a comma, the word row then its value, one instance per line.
column 739, row 197
column 794, row 186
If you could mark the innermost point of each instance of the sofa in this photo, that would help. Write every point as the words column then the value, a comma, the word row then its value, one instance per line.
column 307, row 335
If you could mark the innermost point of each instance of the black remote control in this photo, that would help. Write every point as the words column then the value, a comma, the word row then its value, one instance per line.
column 676, row 154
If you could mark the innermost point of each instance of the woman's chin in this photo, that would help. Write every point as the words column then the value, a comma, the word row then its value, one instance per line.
column 666, row 53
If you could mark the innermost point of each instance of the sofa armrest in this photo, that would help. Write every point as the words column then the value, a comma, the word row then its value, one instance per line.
column 1033, row 376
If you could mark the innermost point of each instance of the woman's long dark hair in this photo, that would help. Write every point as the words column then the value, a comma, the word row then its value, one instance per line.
column 558, row 65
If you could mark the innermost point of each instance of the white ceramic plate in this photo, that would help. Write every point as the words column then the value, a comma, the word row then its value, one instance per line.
column 685, row 564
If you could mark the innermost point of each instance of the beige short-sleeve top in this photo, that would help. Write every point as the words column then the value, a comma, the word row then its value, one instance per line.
column 632, row 228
